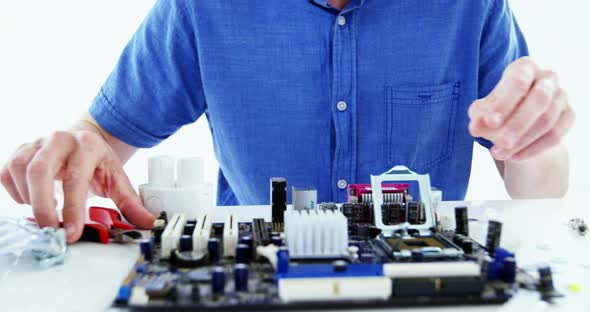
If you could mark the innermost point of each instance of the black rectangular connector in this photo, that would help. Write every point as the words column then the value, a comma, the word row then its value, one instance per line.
column 278, row 199
column 260, row 234
column 461, row 221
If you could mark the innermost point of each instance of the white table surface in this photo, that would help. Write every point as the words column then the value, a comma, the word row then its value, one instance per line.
column 535, row 229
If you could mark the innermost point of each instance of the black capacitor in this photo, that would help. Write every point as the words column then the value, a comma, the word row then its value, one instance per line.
column 241, row 277
column 247, row 240
column 277, row 241
column 189, row 228
column 509, row 270
column 242, row 253
column 278, row 198
column 145, row 246
column 339, row 266
column 213, row 247
column 417, row 255
column 467, row 246
column 493, row 238
column 163, row 216
column 186, row 243
column 461, row 221
column 218, row 281
column 157, row 234
column 545, row 279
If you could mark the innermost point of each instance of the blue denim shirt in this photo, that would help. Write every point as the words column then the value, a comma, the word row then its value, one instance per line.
column 298, row 89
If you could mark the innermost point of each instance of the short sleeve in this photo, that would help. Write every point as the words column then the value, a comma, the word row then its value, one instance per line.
column 502, row 43
column 155, row 87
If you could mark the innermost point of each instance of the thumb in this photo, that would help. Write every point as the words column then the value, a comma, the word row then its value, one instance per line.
column 128, row 202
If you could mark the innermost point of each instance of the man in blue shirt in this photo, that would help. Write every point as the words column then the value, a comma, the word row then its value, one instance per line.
column 324, row 93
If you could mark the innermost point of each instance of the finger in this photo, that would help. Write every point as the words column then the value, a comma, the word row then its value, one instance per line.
column 482, row 119
column 127, row 200
column 9, row 185
column 41, row 174
column 76, row 179
column 526, row 114
column 550, row 139
column 512, row 88
column 17, row 168
column 543, row 124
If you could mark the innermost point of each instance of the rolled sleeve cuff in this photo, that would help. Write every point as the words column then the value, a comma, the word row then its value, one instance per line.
column 118, row 125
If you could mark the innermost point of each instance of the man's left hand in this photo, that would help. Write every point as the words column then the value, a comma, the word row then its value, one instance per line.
column 526, row 113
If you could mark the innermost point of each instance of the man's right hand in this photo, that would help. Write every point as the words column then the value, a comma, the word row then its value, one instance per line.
column 83, row 161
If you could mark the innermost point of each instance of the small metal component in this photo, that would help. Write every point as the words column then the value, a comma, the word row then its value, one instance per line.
column 145, row 247
column 579, row 226
column 328, row 206
column 218, row 281
column 214, row 250
column 241, row 277
column 304, row 198
column 493, row 237
column 339, row 266
column 461, row 221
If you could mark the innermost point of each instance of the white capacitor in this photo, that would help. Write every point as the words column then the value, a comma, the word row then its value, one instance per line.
column 161, row 171
column 189, row 171
column 304, row 198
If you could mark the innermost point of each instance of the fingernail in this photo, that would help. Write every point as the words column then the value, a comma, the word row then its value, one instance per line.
column 70, row 229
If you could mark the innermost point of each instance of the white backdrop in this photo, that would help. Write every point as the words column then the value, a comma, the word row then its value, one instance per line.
column 54, row 56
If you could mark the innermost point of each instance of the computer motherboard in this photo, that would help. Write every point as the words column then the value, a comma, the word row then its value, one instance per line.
column 383, row 248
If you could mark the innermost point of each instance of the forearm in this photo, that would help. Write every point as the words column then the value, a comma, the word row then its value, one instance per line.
column 87, row 123
column 543, row 176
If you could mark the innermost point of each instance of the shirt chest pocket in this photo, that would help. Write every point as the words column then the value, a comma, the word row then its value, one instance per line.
column 420, row 124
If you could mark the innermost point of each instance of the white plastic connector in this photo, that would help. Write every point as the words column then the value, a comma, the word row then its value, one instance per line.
column 316, row 233
column 172, row 233
column 397, row 174
column 230, row 236
column 202, row 233
column 270, row 253
column 334, row 289
column 187, row 194
column 138, row 296
column 431, row 269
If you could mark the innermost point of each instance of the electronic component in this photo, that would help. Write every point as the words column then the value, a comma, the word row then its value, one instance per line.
column 363, row 193
column 304, row 198
column 230, row 236
column 260, row 235
column 579, row 226
column 202, row 233
column 278, row 199
column 313, row 233
column 379, row 251
column 461, row 221
column 493, row 237
column 241, row 277
column 171, row 235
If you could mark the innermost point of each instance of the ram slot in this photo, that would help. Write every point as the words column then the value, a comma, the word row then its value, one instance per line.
column 172, row 233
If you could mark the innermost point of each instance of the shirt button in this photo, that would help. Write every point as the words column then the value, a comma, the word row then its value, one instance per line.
column 341, row 20
column 341, row 106
column 342, row 184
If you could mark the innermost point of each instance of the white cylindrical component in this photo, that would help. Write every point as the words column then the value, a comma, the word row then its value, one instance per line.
column 161, row 171
column 189, row 171
column 431, row 269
